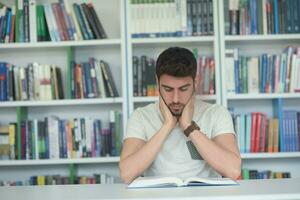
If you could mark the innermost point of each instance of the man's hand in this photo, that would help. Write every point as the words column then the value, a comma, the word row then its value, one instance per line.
column 169, row 119
column 187, row 114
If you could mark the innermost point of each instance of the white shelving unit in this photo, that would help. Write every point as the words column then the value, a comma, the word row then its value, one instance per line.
column 254, row 45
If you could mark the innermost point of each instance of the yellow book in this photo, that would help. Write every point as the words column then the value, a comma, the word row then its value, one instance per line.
column 41, row 180
column 270, row 136
column 12, row 135
column 275, row 135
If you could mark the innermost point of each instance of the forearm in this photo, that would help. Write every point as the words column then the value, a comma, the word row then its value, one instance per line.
column 225, row 162
column 135, row 164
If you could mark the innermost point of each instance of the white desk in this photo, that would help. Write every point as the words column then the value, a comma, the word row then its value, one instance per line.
column 253, row 189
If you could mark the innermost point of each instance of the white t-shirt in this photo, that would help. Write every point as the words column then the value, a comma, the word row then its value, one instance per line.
column 174, row 158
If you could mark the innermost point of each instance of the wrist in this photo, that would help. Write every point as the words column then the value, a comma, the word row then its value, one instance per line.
column 192, row 127
column 168, row 126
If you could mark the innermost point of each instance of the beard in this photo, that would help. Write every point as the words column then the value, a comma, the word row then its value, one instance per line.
column 176, row 109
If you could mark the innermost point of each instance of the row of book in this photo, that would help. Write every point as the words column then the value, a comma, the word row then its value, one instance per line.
column 28, row 22
column 263, row 74
column 144, row 82
column 265, row 174
column 257, row 133
column 33, row 82
column 102, row 178
column 92, row 79
column 169, row 18
column 247, row 17
column 205, row 76
column 55, row 138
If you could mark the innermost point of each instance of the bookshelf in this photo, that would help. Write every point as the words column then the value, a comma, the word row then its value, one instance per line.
column 112, row 50
column 206, row 44
column 118, row 50
column 255, row 45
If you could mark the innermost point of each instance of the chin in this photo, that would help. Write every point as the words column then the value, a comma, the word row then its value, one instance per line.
column 176, row 114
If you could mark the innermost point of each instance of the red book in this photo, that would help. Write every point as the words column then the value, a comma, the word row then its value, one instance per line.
column 253, row 130
column 58, row 22
column 257, row 132
column 263, row 133
column 62, row 21
column 12, row 31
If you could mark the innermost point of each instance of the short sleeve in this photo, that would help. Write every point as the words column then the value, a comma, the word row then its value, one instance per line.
column 135, row 127
column 222, row 122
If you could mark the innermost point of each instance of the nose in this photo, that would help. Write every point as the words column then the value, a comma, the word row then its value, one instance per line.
column 175, row 97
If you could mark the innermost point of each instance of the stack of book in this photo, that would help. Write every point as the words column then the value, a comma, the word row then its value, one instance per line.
column 205, row 74
column 144, row 82
column 245, row 17
column 256, row 133
column 170, row 18
column 263, row 74
column 62, row 180
column 34, row 82
column 28, row 22
column 266, row 174
column 92, row 79
column 55, row 138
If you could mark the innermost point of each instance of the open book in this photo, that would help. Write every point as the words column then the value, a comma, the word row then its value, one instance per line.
column 143, row 182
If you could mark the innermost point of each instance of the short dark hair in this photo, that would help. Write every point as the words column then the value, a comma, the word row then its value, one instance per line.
column 176, row 61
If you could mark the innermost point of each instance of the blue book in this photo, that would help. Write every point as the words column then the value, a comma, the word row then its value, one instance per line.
column 65, row 140
column 236, row 70
column 253, row 14
column 248, row 132
column 8, row 26
column 296, row 17
column 88, row 80
column 296, row 131
column 3, row 82
column 98, row 137
column 264, row 72
column 278, row 113
column 189, row 18
column 276, row 16
column 60, row 138
column 242, row 133
column 81, row 23
column 282, row 72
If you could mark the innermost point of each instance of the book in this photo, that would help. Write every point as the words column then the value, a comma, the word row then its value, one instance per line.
column 145, row 182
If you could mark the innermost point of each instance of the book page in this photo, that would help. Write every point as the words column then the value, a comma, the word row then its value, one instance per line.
column 209, row 181
column 155, row 182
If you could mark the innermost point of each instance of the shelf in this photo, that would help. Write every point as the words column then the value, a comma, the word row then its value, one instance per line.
column 60, row 161
column 155, row 98
column 270, row 155
column 65, row 102
column 104, row 42
column 277, row 37
column 262, row 96
column 172, row 40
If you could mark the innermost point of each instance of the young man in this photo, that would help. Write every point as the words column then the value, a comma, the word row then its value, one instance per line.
column 179, row 135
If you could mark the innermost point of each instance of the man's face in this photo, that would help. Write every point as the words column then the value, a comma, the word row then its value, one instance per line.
column 176, row 92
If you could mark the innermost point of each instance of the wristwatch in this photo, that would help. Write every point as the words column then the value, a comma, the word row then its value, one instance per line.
column 191, row 128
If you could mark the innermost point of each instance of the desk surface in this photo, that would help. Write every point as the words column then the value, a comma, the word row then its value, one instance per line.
column 253, row 189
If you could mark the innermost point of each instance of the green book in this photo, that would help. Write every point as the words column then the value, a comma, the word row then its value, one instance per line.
column 245, row 173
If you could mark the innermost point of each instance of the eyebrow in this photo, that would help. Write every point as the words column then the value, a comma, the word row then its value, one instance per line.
column 188, row 84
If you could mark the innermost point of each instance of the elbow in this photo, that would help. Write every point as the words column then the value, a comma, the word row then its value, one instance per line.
column 126, row 177
column 235, row 172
